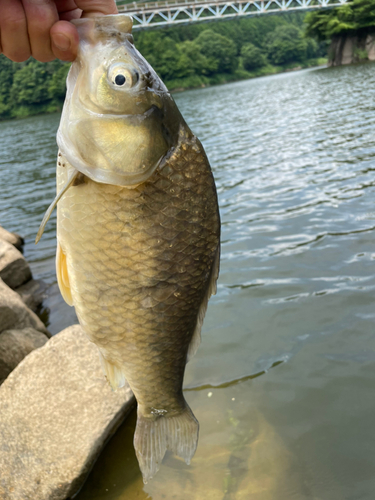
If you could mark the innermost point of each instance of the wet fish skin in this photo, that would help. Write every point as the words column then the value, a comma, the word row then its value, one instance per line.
column 139, row 264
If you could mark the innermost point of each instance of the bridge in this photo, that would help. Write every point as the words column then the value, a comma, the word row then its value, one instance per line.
column 172, row 12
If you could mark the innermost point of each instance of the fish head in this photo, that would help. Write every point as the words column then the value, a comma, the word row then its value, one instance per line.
column 119, row 120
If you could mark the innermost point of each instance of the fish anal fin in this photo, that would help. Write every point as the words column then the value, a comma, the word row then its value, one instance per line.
column 114, row 374
column 211, row 290
column 153, row 437
column 63, row 276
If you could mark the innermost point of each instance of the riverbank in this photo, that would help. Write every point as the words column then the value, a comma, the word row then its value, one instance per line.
column 240, row 75
column 47, row 385
column 179, row 85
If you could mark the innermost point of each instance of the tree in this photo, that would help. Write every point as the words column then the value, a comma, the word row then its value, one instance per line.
column 57, row 83
column 30, row 84
column 220, row 51
column 195, row 60
column 356, row 18
column 286, row 45
column 252, row 57
column 7, row 69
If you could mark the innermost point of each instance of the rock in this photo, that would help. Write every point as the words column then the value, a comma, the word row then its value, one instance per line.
column 14, row 270
column 14, row 314
column 349, row 49
column 370, row 47
column 13, row 238
column 15, row 345
column 33, row 293
column 57, row 412
column 347, row 52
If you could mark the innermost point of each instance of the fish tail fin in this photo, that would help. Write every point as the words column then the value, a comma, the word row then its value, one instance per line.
column 113, row 373
column 153, row 437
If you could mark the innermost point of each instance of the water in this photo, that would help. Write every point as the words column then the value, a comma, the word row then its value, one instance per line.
column 283, row 382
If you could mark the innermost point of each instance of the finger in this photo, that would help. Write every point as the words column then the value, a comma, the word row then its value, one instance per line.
column 94, row 8
column 71, row 14
column 68, row 10
column 14, row 40
column 41, row 15
column 65, row 40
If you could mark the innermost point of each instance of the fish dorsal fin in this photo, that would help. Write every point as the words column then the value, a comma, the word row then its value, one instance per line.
column 211, row 290
column 62, row 275
column 50, row 209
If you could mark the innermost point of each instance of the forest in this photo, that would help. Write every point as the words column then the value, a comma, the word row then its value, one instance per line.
column 356, row 17
column 185, row 57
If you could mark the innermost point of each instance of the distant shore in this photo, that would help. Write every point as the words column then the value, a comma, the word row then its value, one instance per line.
column 266, row 71
column 219, row 79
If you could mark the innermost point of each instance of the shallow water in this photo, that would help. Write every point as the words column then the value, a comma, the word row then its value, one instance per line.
column 283, row 382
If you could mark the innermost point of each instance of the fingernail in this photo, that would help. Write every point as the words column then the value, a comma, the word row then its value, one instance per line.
column 62, row 42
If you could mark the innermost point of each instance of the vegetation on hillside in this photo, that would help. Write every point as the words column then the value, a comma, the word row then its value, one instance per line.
column 356, row 17
column 185, row 57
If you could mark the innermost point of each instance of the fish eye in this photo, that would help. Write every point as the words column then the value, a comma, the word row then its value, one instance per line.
column 122, row 76
column 120, row 80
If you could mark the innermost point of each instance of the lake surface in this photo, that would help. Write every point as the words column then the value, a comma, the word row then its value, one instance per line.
column 283, row 384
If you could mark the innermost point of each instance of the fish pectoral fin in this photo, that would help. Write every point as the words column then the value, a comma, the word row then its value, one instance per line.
column 50, row 209
column 113, row 373
column 62, row 275
column 211, row 290
column 153, row 437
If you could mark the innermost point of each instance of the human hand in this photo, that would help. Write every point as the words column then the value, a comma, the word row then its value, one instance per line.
column 41, row 28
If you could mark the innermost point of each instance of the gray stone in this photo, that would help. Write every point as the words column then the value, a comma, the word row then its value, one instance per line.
column 13, row 238
column 56, row 413
column 33, row 293
column 349, row 49
column 347, row 54
column 14, row 270
column 370, row 47
column 15, row 345
column 14, row 314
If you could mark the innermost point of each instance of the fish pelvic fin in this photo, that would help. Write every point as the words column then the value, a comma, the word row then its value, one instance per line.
column 154, row 436
column 114, row 374
column 62, row 275
column 211, row 290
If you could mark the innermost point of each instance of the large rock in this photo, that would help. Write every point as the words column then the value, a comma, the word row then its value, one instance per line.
column 349, row 49
column 14, row 314
column 13, row 238
column 14, row 270
column 56, row 413
column 33, row 293
column 15, row 345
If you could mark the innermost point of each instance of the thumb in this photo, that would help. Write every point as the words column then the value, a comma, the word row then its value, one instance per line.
column 94, row 8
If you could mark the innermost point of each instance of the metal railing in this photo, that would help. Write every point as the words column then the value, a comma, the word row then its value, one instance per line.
column 168, row 13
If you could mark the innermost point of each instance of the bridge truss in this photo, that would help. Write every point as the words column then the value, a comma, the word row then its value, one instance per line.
column 169, row 13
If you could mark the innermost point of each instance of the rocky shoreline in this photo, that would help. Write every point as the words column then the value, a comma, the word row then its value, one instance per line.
column 56, row 409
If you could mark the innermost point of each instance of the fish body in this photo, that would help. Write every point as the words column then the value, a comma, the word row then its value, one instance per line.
column 138, row 232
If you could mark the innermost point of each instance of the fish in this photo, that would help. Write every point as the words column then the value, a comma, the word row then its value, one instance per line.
column 138, row 231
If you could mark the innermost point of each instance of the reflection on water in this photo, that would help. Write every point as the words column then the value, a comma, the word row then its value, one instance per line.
column 294, row 160
column 28, row 153
column 239, row 455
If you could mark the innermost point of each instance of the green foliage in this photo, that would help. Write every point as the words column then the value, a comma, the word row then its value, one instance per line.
column 31, row 87
column 219, row 50
column 189, row 56
column 285, row 45
column 356, row 17
column 252, row 57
